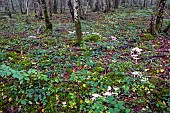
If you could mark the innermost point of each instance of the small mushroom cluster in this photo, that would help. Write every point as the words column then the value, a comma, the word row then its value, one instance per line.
column 108, row 93
column 135, row 52
column 138, row 74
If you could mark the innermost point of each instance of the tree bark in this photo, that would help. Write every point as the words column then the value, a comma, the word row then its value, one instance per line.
column 61, row 6
column 159, row 15
column 50, row 7
column 70, row 5
column 39, row 9
column 35, row 10
column 64, row 6
column 7, row 9
column 20, row 5
column 96, row 6
column 106, row 5
column 55, row 6
column 47, row 21
column 116, row 4
column 144, row 3
column 77, row 21
column 85, row 11
column 27, row 8
column 12, row 4
column 27, row 11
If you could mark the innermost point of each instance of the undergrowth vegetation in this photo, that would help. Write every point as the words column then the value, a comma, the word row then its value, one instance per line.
column 48, row 73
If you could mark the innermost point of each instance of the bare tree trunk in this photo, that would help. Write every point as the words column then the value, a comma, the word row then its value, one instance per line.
column 50, row 7
column 80, row 10
column 7, row 9
column 109, row 5
column 27, row 8
column 77, row 21
column 116, row 4
column 151, row 29
column 86, row 9
column 20, row 5
column 159, row 15
column 12, row 4
column 35, row 10
column 39, row 9
column 144, row 3
column 70, row 5
column 105, row 2
column 47, row 21
column 96, row 6
column 27, row 11
column 64, row 4
column 61, row 6
column 55, row 6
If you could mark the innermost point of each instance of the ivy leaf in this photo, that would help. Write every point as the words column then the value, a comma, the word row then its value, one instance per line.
column 121, row 107
column 32, row 71
column 110, row 99
column 120, row 103
column 94, row 90
column 111, row 110
column 97, row 111
column 127, row 110
column 24, row 101
column 116, row 110
column 20, row 77
column 29, row 95
column 15, row 75
column 8, row 73
column 2, row 73
column 36, row 98
column 57, row 80
column 27, row 78
column 21, row 81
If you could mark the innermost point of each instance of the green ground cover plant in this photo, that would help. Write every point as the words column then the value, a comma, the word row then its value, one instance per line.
column 48, row 73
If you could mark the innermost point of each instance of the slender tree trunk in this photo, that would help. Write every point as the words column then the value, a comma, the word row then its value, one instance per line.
column 77, row 21
column 144, row 3
column 27, row 11
column 50, row 7
column 151, row 29
column 80, row 10
column 61, row 6
column 47, row 21
column 64, row 4
column 39, row 9
column 109, row 5
column 12, row 4
column 55, row 6
column 7, row 9
column 86, row 9
column 105, row 6
column 27, row 8
column 20, row 5
column 116, row 4
column 35, row 10
column 159, row 15
column 70, row 5
column 96, row 6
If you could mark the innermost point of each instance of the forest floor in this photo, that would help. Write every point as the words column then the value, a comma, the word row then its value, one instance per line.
column 47, row 73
